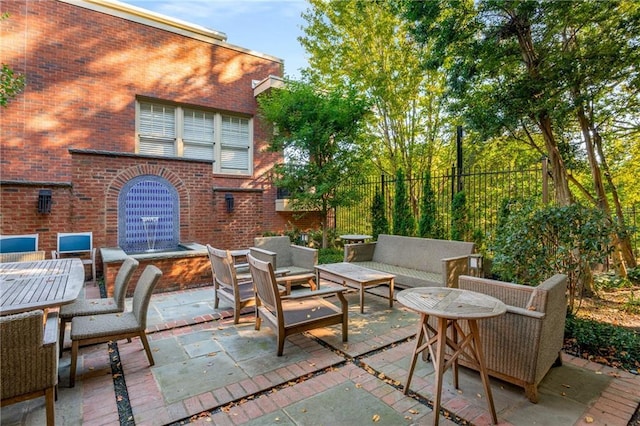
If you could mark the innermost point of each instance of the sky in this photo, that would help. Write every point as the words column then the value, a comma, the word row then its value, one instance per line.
column 266, row 26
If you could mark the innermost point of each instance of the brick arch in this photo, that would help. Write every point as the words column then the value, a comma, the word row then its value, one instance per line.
column 118, row 182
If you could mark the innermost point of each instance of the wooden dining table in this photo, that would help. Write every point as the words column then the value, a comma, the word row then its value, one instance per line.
column 42, row 284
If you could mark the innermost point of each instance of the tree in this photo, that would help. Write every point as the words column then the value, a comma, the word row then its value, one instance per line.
column 460, row 228
column 317, row 131
column 429, row 226
column 379, row 222
column 367, row 45
column 10, row 83
column 549, row 73
column 403, row 221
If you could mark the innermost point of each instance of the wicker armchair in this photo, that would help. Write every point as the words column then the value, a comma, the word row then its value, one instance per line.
column 22, row 256
column 283, row 255
column 29, row 359
column 521, row 346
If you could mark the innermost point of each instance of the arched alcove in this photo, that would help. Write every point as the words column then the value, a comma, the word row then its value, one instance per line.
column 148, row 215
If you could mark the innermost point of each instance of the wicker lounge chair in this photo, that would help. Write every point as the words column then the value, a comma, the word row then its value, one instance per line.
column 29, row 359
column 89, row 330
column 296, row 313
column 521, row 346
column 22, row 256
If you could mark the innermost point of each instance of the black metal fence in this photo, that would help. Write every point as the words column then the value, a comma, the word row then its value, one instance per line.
column 485, row 192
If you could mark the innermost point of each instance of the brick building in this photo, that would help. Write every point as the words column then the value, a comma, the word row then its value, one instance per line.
column 122, row 104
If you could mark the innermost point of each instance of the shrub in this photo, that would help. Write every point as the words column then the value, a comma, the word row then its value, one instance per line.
column 403, row 221
column 460, row 228
column 532, row 243
column 619, row 346
column 429, row 226
column 379, row 222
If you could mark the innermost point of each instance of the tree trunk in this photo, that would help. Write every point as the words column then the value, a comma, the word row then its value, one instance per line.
column 624, row 242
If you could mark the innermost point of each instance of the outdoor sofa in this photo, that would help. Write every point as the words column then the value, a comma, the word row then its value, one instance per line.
column 416, row 262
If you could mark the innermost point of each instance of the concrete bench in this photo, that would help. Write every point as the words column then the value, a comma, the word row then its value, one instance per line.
column 416, row 262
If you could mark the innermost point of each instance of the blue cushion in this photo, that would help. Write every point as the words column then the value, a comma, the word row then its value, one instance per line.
column 74, row 243
column 17, row 244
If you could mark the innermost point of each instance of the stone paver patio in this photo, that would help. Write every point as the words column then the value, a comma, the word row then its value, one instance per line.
column 210, row 371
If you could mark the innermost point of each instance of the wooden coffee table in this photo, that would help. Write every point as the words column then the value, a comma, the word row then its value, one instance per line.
column 351, row 275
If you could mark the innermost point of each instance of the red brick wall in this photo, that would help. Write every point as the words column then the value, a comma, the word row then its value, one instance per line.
column 84, row 70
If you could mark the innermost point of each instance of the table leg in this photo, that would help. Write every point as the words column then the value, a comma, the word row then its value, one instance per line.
column 361, row 298
column 391, row 285
column 416, row 350
column 473, row 326
column 439, row 364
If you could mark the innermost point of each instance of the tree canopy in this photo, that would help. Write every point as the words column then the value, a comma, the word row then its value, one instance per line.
column 317, row 131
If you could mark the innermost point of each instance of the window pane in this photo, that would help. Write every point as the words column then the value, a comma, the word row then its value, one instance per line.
column 157, row 121
column 235, row 143
column 235, row 131
column 163, row 147
column 199, row 151
column 198, row 126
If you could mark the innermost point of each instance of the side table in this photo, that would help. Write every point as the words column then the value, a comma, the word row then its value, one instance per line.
column 449, row 306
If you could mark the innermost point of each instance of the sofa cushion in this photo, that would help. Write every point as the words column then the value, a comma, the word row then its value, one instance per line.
column 406, row 277
column 418, row 253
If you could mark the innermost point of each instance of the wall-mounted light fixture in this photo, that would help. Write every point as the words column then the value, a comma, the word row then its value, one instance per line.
column 44, row 201
column 475, row 265
column 228, row 199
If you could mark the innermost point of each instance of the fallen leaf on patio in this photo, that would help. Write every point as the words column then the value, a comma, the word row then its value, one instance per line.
column 118, row 315
column 110, row 351
column 588, row 419
column 312, row 364
column 91, row 368
column 566, row 386
column 598, row 372
column 346, row 389
column 116, row 375
column 459, row 391
column 304, row 410
column 220, row 327
column 531, row 308
column 375, row 418
column 408, row 418
column 94, row 303
column 381, row 376
column 563, row 393
column 119, row 398
column 155, row 349
column 478, row 395
column 358, row 385
column 614, row 374
column 208, row 419
column 212, row 354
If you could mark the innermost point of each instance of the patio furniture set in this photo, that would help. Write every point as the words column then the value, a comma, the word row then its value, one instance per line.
column 509, row 331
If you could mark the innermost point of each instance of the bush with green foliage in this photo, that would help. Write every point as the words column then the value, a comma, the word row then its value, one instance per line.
column 532, row 243
column 619, row 345
column 429, row 225
column 460, row 228
column 379, row 222
column 330, row 255
column 634, row 274
column 403, row 221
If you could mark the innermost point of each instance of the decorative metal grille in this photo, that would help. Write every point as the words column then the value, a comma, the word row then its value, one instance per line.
column 148, row 215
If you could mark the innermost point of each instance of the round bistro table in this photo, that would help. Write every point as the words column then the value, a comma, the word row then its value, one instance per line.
column 449, row 306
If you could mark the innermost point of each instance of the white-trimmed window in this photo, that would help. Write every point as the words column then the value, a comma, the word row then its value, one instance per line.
column 175, row 131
